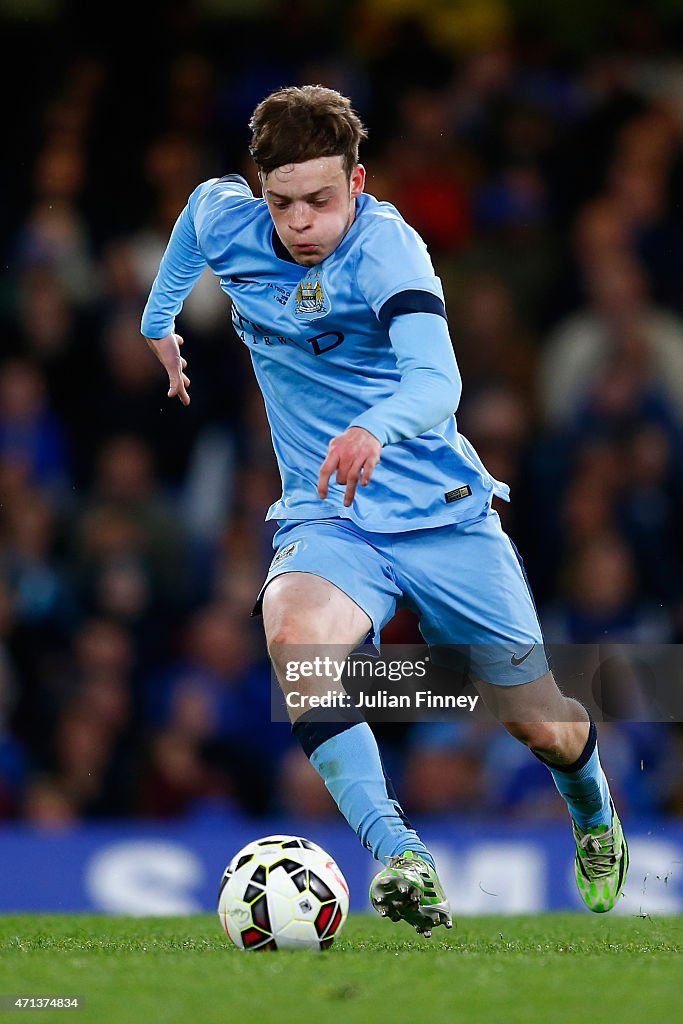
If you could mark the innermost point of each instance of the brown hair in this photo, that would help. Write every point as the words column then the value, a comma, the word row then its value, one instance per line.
column 301, row 123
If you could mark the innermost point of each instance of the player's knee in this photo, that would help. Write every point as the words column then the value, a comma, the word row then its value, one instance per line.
column 539, row 736
column 290, row 638
column 285, row 628
column 282, row 639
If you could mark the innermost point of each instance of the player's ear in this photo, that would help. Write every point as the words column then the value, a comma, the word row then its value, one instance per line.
column 357, row 180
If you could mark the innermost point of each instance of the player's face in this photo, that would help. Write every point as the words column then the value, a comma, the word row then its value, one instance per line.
column 312, row 205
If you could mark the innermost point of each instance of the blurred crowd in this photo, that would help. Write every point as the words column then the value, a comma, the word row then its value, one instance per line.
column 547, row 183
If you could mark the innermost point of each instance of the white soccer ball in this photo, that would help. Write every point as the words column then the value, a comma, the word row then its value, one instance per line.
column 282, row 892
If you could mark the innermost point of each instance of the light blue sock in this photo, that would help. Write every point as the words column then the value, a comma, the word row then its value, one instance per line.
column 346, row 757
column 584, row 786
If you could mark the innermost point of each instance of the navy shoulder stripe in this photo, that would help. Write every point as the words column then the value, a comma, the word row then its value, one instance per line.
column 235, row 177
column 411, row 301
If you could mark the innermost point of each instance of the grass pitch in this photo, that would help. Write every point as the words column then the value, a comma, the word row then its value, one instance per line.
column 549, row 969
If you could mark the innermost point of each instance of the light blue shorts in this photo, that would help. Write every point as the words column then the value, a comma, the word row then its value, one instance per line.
column 465, row 582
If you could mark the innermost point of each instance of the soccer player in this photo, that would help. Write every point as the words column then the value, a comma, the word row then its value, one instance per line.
column 384, row 503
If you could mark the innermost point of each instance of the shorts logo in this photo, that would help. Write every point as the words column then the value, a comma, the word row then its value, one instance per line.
column 518, row 661
column 311, row 300
column 286, row 552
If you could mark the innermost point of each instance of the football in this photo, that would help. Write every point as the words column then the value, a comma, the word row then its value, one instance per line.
column 282, row 892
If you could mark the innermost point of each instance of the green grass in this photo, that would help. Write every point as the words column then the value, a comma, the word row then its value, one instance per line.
column 549, row 969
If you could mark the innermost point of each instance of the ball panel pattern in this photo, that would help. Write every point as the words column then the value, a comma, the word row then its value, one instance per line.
column 282, row 892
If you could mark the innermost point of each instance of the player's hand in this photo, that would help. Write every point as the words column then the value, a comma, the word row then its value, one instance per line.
column 167, row 351
column 354, row 455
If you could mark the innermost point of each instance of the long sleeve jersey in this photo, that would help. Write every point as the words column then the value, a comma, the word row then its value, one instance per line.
column 360, row 339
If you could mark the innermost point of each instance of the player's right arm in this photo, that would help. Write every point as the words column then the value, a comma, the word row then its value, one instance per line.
column 200, row 235
column 180, row 267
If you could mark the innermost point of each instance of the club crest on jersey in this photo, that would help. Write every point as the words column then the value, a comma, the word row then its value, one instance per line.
column 311, row 300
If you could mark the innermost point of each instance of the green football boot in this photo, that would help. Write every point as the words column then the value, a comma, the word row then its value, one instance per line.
column 601, row 864
column 408, row 889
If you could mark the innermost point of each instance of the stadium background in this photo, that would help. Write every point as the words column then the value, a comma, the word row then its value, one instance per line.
column 538, row 149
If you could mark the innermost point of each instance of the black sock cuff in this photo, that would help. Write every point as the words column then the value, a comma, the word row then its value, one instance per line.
column 313, row 729
column 583, row 758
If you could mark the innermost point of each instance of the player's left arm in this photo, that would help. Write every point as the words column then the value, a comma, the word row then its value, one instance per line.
column 395, row 275
column 353, row 456
column 430, row 386
column 428, row 393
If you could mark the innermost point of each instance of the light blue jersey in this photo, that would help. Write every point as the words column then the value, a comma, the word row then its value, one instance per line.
column 352, row 341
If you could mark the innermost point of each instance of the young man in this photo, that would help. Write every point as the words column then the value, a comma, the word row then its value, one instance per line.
column 384, row 503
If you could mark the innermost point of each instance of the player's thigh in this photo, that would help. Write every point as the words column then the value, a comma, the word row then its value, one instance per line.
column 311, row 628
column 339, row 585
column 303, row 608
